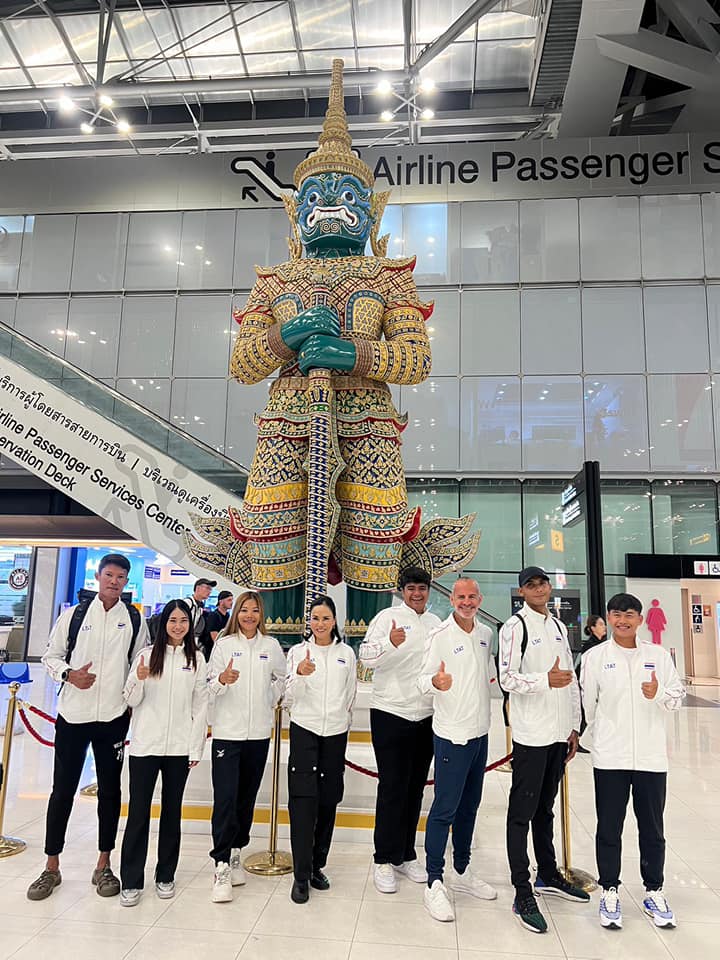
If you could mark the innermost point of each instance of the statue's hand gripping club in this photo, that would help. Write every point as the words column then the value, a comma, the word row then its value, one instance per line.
column 318, row 319
column 329, row 352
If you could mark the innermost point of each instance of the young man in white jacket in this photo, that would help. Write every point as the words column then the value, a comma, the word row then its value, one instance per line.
column 401, row 726
column 91, row 712
column 536, row 669
column 456, row 672
column 628, row 688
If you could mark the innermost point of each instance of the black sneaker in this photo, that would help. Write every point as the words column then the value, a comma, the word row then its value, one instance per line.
column 300, row 892
column 528, row 913
column 319, row 881
column 558, row 886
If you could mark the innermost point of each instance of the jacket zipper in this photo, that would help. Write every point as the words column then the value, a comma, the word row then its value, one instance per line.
column 327, row 672
column 250, row 690
column 632, row 708
column 102, row 657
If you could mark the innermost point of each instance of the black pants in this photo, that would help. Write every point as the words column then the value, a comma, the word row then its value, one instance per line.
column 403, row 751
column 316, row 769
column 536, row 776
column 71, row 745
column 143, row 777
column 612, row 792
column 237, row 770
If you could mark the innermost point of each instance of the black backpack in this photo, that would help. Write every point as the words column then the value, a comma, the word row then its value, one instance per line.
column 524, row 641
column 79, row 614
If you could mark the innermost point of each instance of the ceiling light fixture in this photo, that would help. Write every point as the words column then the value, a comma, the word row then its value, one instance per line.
column 123, row 126
column 87, row 127
column 105, row 100
column 427, row 114
column 427, row 85
column 387, row 116
column 67, row 105
column 384, row 87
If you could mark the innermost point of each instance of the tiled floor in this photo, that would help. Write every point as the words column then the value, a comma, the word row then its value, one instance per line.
column 352, row 921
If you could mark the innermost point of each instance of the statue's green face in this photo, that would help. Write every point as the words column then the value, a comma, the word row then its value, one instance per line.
column 333, row 211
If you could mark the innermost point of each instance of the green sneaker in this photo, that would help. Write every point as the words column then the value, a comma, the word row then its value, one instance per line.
column 528, row 913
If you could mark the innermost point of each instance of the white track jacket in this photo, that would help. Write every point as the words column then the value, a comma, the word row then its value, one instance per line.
column 539, row 714
column 396, row 669
column 628, row 730
column 169, row 716
column 244, row 709
column 462, row 712
column 322, row 702
column 104, row 640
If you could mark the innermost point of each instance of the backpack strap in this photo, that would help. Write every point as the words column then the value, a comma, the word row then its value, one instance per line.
column 76, row 621
column 135, row 620
column 524, row 642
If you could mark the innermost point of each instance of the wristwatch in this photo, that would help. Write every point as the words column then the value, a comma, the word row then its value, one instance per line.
column 65, row 674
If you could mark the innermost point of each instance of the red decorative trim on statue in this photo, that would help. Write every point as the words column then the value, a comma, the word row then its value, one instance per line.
column 414, row 529
column 406, row 263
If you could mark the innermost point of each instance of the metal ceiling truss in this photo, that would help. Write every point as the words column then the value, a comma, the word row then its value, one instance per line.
column 215, row 118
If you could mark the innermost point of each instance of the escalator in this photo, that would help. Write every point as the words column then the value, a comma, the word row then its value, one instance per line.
column 137, row 471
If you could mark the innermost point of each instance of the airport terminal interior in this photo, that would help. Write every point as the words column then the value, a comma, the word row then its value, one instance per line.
column 552, row 170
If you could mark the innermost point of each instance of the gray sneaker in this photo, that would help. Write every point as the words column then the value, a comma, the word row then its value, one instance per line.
column 41, row 888
column 130, row 898
column 105, row 882
column 166, row 891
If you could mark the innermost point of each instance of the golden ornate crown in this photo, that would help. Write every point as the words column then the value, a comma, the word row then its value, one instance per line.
column 334, row 153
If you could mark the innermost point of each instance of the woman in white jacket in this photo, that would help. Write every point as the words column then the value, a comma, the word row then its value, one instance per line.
column 167, row 690
column 322, row 677
column 246, row 675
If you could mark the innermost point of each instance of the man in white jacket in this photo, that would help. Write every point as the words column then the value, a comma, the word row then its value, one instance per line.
column 536, row 669
column 456, row 672
column 91, row 712
column 401, row 726
column 628, row 688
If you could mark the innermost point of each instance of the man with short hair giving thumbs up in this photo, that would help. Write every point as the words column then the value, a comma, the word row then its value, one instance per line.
column 456, row 672
column 401, row 726
column 628, row 687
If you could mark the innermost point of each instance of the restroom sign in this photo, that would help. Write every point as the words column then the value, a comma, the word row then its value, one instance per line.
column 701, row 568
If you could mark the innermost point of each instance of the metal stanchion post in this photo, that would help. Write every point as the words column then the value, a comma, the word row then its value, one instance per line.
column 9, row 846
column 577, row 877
column 91, row 790
column 273, row 862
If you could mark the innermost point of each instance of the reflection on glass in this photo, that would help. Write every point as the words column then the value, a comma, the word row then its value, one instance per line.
column 685, row 516
column 552, row 423
column 626, row 524
column 490, row 423
column 681, row 422
column 616, row 431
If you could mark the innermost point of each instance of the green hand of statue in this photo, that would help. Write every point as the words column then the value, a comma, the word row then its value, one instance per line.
column 317, row 319
column 331, row 352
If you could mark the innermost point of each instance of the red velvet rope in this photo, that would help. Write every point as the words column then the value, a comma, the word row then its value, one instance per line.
column 31, row 731
column 428, row 783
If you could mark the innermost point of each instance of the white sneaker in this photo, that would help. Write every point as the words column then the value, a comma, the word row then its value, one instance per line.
column 413, row 870
column 130, row 898
column 222, row 885
column 437, row 902
column 384, row 878
column 237, row 874
column 166, row 891
column 610, row 911
column 656, row 906
column 467, row 882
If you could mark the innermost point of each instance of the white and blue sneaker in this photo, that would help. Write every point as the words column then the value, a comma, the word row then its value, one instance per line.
column 610, row 912
column 656, row 906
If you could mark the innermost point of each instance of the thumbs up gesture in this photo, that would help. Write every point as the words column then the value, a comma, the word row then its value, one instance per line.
column 229, row 674
column 306, row 666
column 82, row 678
column 397, row 635
column 650, row 688
column 142, row 671
column 558, row 677
column 442, row 680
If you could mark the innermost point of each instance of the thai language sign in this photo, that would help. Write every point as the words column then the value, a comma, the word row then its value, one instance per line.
column 140, row 490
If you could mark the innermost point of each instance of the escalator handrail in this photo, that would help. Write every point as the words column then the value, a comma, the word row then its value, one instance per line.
column 127, row 401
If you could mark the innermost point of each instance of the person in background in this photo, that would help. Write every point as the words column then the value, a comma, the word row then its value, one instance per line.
column 595, row 632
column 629, row 686
column 401, row 726
column 246, row 677
column 167, row 691
column 201, row 591
column 536, row 669
column 456, row 672
column 91, row 712
column 321, row 684
column 216, row 621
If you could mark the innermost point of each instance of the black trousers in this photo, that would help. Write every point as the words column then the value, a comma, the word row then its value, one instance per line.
column 536, row 776
column 403, row 751
column 612, row 792
column 316, row 770
column 143, row 777
column 237, row 770
column 72, row 740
